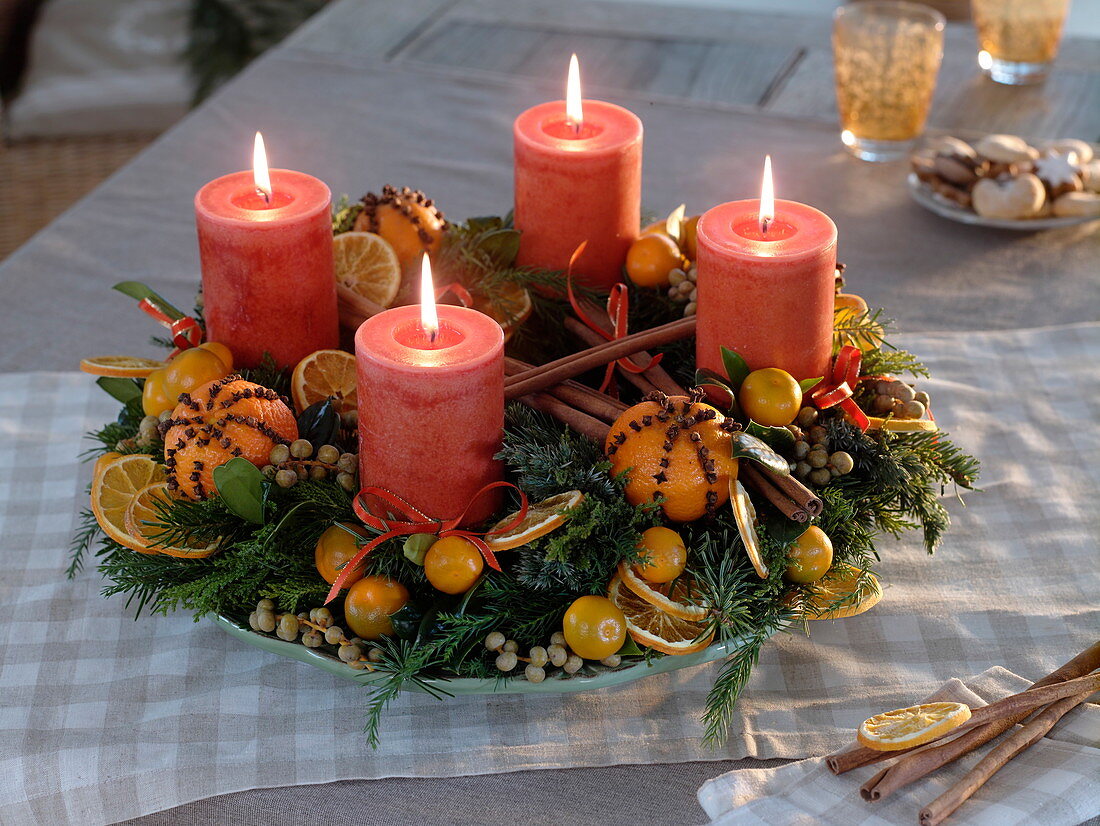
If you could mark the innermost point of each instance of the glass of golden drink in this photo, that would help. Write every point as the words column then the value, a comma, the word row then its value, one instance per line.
column 1018, row 39
column 887, row 54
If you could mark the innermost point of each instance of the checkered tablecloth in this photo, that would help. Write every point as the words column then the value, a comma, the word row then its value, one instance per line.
column 103, row 718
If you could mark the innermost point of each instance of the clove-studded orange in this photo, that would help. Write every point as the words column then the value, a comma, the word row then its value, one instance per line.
column 676, row 448
column 220, row 420
column 407, row 219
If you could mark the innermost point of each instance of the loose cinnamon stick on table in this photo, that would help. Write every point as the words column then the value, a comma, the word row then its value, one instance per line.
column 855, row 757
column 1003, row 714
column 558, row 371
column 1032, row 732
column 791, row 497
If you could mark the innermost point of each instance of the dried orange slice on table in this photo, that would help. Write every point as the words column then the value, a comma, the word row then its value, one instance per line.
column 672, row 598
column 542, row 518
column 840, row 584
column 324, row 374
column 648, row 625
column 142, row 517
column 114, row 486
column 122, row 367
column 366, row 264
column 905, row 728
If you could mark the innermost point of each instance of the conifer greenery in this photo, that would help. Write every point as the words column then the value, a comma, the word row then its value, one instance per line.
column 895, row 486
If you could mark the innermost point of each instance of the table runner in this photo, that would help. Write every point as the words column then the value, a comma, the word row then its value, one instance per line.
column 103, row 718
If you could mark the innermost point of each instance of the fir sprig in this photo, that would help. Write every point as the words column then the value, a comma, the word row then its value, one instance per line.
column 402, row 664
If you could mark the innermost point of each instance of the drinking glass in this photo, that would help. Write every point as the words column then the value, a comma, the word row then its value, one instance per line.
column 1018, row 39
column 887, row 54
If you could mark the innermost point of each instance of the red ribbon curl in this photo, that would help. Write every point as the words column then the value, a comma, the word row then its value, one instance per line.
column 416, row 521
column 618, row 311
column 838, row 387
column 186, row 330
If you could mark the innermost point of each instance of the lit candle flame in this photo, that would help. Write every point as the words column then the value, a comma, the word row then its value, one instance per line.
column 260, row 174
column 574, row 111
column 674, row 223
column 429, row 318
column 767, row 196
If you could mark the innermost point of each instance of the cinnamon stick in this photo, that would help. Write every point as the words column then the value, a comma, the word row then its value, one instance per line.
column 645, row 382
column 593, row 402
column 353, row 308
column 558, row 371
column 1032, row 732
column 581, row 422
column 1000, row 716
column 761, row 482
column 858, row 756
column 657, row 374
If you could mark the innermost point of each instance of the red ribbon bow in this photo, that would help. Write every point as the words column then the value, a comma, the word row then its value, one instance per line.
column 839, row 386
column 186, row 331
column 416, row 521
column 618, row 311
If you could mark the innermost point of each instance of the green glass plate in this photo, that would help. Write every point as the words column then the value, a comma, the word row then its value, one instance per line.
column 591, row 677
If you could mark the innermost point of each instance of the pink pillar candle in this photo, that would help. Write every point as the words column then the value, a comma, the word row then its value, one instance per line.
column 267, row 277
column 766, row 295
column 431, row 413
column 575, row 185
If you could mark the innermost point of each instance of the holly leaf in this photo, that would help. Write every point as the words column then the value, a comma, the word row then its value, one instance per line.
column 747, row 446
column 240, row 485
column 782, row 529
column 319, row 423
column 416, row 547
column 501, row 245
column 737, row 369
column 630, row 648
column 809, row 384
column 708, row 378
column 139, row 292
column 123, row 390
column 484, row 223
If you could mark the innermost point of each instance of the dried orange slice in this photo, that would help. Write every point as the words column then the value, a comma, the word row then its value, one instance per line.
column 902, row 425
column 905, row 728
column 672, row 600
column 114, row 487
column 744, row 514
column 142, row 517
column 648, row 625
column 511, row 307
column 542, row 517
column 123, row 367
column 366, row 264
column 322, row 374
column 839, row 584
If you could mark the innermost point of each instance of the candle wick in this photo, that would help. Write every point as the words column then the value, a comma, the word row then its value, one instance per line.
column 576, row 127
column 264, row 194
column 764, row 223
column 432, row 335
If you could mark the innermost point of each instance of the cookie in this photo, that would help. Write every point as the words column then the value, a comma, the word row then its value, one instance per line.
column 1078, row 204
column 1004, row 149
column 1071, row 146
column 1059, row 175
column 1016, row 197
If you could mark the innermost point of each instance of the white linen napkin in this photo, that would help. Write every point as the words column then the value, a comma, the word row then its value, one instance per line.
column 1056, row 782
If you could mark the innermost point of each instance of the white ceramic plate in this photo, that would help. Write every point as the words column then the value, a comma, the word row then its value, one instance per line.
column 948, row 209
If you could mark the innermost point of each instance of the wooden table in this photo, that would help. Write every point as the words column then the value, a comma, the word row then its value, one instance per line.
column 765, row 62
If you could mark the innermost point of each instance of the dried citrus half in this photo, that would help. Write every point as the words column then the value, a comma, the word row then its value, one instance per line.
column 113, row 488
column 141, row 520
column 542, row 517
column 366, row 264
column 902, row 425
column 672, row 598
column 905, row 728
column 648, row 625
column 123, row 367
column 840, row 583
column 324, row 374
